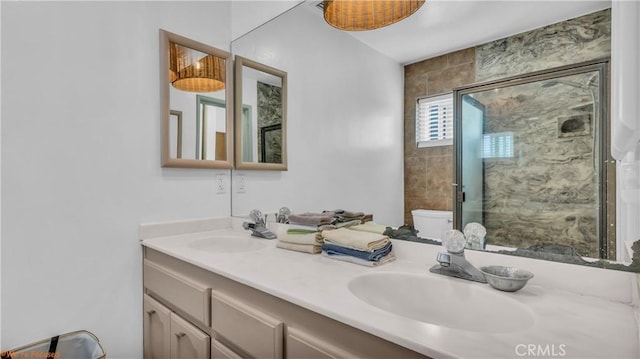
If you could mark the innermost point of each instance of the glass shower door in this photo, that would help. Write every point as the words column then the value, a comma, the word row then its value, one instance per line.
column 529, row 161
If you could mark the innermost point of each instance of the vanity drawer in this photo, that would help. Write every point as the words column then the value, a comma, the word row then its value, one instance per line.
column 220, row 351
column 303, row 345
column 256, row 333
column 185, row 294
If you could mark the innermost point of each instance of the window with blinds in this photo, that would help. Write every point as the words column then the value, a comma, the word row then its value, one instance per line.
column 434, row 121
column 497, row 145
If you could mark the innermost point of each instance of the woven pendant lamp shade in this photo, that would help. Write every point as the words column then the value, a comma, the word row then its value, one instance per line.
column 194, row 71
column 358, row 15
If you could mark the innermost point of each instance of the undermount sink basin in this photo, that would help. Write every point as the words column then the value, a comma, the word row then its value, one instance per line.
column 228, row 244
column 448, row 302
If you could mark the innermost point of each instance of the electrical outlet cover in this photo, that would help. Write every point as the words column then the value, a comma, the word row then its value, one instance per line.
column 220, row 184
column 241, row 184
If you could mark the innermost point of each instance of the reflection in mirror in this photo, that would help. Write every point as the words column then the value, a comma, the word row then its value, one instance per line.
column 261, row 107
column 211, row 129
column 531, row 162
column 175, row 129
column 196, row 113
column 490, row 61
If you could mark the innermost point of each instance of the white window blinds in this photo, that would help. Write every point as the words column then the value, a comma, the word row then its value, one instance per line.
column 434, row 121
column 497, row 145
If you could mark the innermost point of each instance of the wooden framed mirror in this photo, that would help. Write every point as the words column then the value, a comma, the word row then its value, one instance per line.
column 196, row 83
column 261, row 116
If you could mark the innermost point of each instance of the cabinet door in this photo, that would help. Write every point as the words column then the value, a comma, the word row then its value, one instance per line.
column 156, row 329
column 187, row 341
column 302, row 345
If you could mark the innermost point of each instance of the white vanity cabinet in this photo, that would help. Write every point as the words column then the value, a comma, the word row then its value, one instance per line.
column 208, row 315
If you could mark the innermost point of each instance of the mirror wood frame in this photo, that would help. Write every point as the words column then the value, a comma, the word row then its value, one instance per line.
column 167, row 161
column 240, row 63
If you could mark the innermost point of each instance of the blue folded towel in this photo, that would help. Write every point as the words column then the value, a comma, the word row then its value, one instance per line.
column 332, row 249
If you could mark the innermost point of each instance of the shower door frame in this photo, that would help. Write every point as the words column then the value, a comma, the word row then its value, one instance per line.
column 606, row 176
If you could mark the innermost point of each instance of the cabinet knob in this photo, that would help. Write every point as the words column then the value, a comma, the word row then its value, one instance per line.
column 151, row 312
column 180, row 335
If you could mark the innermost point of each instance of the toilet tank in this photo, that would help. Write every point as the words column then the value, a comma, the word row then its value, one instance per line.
column 432, row 224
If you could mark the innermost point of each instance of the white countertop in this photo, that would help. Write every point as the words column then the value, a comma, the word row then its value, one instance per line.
column 579, row 312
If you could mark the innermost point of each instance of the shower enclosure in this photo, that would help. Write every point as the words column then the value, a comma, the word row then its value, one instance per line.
column 532, row 160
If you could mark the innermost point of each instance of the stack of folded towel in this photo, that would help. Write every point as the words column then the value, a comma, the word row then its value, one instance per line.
column 364, row 248
column 338, row 218
column 300, row 240
column 348, row 216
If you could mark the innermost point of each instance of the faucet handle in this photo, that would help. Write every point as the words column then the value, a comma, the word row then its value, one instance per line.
column 454, row 241
column 256, row 216
column 283, row 215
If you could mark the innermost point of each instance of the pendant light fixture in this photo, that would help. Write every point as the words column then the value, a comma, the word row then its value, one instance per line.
column 195, row 71
column 358, row 15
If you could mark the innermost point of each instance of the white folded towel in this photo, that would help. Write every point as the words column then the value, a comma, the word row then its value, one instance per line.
column 363, row 241
column 300, row 236
column 370, row 227
column 305, row 248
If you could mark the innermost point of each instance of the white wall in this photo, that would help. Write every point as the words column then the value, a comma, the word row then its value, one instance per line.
column 345, row 121
column 81, row 162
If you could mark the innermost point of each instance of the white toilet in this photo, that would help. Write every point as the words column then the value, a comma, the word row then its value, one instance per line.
column 432, row 224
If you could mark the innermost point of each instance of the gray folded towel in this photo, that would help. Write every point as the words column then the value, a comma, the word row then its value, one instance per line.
column 311, row 219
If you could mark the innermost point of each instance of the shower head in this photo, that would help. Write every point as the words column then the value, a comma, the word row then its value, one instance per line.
column 587, row 86
column 552, row 83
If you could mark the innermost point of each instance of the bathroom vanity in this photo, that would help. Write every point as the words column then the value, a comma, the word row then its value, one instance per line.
column 212, row 290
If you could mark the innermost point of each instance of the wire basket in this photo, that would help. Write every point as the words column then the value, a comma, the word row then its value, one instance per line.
column 74, row 345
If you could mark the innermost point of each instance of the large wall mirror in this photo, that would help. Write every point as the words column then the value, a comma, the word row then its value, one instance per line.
column 196, row 106
column 260, row 116
column 547, row 132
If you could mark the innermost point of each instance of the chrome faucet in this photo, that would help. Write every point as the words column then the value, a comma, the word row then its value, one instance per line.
column 259, row 228
column 452, row 262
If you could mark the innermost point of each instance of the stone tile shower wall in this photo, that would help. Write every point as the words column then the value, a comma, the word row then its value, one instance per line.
column 428, row 171
column 547, row 193
column 569, row 42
